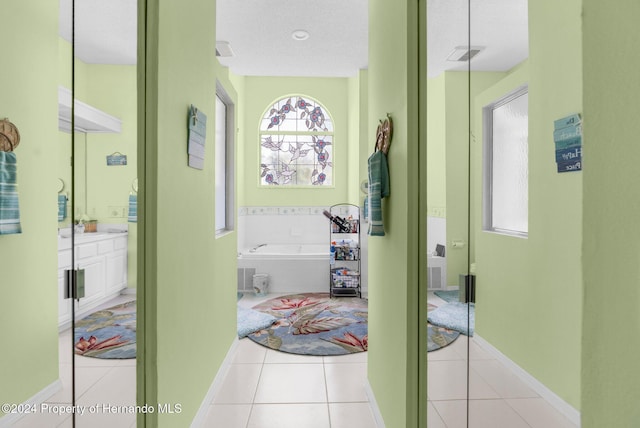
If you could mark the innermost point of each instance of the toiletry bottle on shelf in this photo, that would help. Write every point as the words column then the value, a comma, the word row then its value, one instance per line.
column 343, row 225
column 332, row 254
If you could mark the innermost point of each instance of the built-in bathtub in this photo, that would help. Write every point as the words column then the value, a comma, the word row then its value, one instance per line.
column 295, row 268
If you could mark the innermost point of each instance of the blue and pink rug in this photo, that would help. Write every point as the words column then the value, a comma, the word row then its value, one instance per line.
column 108, row 334
column 314, row 324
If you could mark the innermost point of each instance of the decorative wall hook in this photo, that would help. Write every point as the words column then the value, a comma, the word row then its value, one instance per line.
column 9, row 136
column 384, row 134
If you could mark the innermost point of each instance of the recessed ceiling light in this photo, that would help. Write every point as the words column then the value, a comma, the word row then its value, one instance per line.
column 300, row 35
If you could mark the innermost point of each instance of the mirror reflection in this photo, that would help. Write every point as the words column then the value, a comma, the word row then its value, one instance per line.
column 480, row 180
column 104, row 167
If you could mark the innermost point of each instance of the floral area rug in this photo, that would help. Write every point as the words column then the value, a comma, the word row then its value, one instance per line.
column 108, row 334
column 314, row 324
column 439, row 337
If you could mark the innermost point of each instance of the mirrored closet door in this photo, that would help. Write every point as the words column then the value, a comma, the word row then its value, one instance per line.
column 473, row 193
column 98, row 242
column 69, row 283
column 449, row 241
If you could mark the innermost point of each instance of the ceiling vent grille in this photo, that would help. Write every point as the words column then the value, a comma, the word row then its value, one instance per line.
column 223, row 49
column 462, row 53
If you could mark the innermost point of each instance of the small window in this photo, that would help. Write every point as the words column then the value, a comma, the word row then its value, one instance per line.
column 224, row 163
column 296, row 144
column 506, row 165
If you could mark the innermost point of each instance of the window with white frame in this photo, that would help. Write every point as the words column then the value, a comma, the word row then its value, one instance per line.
column 296, row 144
column 224, row 162
column 506, row 165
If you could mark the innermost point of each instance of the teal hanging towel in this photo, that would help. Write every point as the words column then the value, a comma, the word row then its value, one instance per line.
column 62, row 207
column 378, row 189
column 133, row 208
column 9, row 209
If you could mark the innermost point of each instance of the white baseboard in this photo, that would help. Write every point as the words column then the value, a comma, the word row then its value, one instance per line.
column 42, row 396
column 201, row 415
column 549, row 396
column 373, row 404
column 128, row 291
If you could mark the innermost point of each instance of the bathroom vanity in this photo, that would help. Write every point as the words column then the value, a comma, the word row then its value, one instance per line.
column 103, row 256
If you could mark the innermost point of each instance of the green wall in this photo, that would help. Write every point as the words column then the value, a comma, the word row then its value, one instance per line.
column 456, row 136
column 261, row 92
column 436, row 147
column 448, row 160
column 393, row 369
column 360, row 146
column 366, row 143
column 189, row 288
column 611, row 319
column 102, row 192
column 112, row 88
column 531, row 288
column 29, row 260
column 353, row 138
column 238, row 83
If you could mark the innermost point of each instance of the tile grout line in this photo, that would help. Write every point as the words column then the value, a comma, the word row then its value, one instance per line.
column 255, row 393
column 326, row 390
column 437, row 412
column 531, row 398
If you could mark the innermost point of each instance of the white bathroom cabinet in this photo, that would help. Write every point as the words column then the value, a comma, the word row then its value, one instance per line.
column 103, row 256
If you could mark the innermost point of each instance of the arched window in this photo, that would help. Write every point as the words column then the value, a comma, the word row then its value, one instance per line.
column 296, row 144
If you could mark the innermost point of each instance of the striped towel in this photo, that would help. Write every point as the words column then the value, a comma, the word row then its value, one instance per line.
column 62, row 207
column 9, row 208
column 133, row 208
column 378, row 189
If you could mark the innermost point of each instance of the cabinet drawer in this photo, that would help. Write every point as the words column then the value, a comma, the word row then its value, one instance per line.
column 105, row 246
column 87, row 250
column 64, row 259
column 121, row 243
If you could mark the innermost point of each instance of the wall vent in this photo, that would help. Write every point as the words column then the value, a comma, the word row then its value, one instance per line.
column 434, row 278
column 223, row 49
column 245, row 279
column 463, row 54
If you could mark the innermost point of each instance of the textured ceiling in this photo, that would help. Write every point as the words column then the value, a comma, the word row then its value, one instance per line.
column 260, row 34
column 501, row 26
column 106, row 31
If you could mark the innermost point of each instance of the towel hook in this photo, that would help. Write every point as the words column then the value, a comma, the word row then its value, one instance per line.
column 9, row 136
column 384, row 134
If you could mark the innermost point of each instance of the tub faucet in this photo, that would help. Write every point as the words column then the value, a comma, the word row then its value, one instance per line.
column 254, row 249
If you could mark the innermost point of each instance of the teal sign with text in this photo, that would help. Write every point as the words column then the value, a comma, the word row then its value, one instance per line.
column 567, row 135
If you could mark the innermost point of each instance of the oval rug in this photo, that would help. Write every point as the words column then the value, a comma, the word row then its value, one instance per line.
column 314, row 324
column 109, row 333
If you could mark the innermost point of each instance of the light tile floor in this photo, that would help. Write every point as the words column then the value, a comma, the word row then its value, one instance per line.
column 266, row 388
column 498, row 399
column 97, row 381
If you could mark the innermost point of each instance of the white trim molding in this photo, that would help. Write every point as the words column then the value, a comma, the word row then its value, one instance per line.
column 373, row 405
column 201, row 415
column 11, row 418
column 545, row 393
